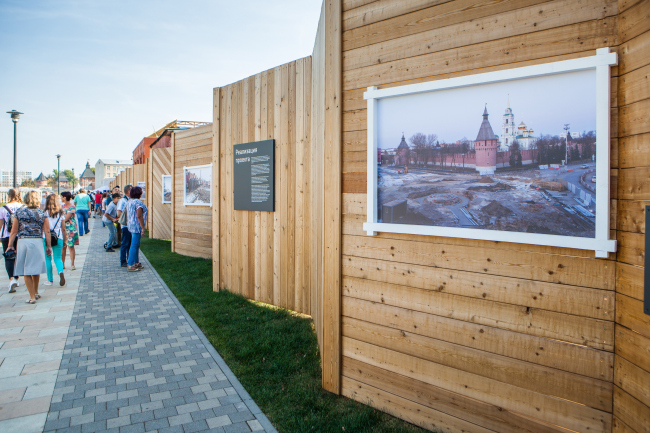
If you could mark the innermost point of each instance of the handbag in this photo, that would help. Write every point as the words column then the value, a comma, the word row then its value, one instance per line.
column 54, row 238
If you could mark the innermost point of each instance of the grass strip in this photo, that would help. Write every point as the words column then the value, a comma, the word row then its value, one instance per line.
column 273, row 352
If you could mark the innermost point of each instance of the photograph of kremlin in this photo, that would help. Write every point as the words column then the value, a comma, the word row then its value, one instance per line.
column 462, row 162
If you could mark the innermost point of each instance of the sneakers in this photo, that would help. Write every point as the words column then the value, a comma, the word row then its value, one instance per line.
column 48, row 283
column 12, row 286
column 17, row 282
column 110, row 250
column 61, row 279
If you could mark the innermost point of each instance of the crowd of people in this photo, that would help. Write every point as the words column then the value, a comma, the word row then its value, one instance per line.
column 36, row 231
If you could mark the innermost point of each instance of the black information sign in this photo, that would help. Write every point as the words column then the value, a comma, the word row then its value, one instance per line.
column 253, row 176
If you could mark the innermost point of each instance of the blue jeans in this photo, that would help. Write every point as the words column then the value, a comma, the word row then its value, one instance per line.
column 82, row 216
column 126, row 245
column 112, row 235
column 134, row 256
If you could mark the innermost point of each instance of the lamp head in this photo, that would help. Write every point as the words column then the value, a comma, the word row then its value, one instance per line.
column 14, row 115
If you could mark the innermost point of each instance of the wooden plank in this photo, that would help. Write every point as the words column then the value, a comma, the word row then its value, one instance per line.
column 634, row 21
column 549, row 381
column 634, row 86
column 438, row 16
column 629, row 313
column 634, row 118
column 308, row 242
column 594, row 333
column 629, row 280
column 588, row 36
column 257, row 136
column 631, row 411
column 277, row 215
column 332, row 199
column 579, row 271
column 619, row 426
column 550, row 409
column 633, row 346
column 633, row 379
column 634, row 53
column 299, row 167
column 630, row 248
column 173, row 204
column 550, row 353
column 481, row 413
column 372, row 13
column 631, row 216
column 406, row 409
column 216, row 170
column 291, row 189
column 266, row 258
column 598, row 304
column 633, row 153
column 354, row 183
column 521, row 21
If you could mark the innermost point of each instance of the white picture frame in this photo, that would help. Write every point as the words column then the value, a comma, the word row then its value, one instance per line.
column 601, row 244
column 166, row 181
column 205, row 171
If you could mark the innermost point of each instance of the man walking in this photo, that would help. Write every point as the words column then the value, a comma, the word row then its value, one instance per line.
column 110, row 217
column 82, row 203
column 126, row 235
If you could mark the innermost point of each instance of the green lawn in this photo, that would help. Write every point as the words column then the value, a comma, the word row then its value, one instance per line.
column 273, row 352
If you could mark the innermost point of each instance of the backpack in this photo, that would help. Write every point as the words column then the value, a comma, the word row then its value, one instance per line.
column 9, row 222
column 122, row 219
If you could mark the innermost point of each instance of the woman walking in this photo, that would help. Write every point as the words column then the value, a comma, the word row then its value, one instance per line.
column 55, row 217
column 71, row 228
column 6, row 213
column 82, row 205
column 136, row 215
column 29, row 224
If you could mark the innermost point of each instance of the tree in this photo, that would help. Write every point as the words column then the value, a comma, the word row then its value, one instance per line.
column 28, row 183
column 93, row 169
column 419, row 142
column 515, row 154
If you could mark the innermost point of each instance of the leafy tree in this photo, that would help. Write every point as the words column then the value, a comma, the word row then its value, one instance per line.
column 28, row 183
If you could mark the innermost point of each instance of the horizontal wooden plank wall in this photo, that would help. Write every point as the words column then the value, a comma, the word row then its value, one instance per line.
column 193, row 224
column 632, row 338
column 466, row 335
column 161, row 165
column 266, row 256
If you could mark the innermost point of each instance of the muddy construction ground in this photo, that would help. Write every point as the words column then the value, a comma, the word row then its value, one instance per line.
column 508, row 202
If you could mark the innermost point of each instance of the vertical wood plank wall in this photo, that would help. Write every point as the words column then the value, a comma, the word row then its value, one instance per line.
column 192, row 233
column 267, row 256
column 462, row 334
column 632, row 340
column 160, row 224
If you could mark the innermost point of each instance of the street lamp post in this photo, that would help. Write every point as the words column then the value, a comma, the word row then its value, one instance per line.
column 58, row 174
column 14, row 118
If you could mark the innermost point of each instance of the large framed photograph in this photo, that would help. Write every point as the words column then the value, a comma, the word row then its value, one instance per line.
column 166, row 189
column 520, row 155
column 143, row 185
column 198, row 185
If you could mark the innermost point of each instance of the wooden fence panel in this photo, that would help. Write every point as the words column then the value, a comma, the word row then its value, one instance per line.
column 267, row 256
column 192, row 228
column 432, row 314
column 632, row 337
column 161, row 165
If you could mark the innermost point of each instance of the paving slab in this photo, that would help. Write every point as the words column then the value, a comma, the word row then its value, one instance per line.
column 134, row 360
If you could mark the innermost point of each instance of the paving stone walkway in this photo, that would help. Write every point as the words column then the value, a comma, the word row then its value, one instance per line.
column 32, row 338
column 134, row 361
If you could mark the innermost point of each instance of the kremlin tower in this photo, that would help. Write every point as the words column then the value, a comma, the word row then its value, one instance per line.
column 486, row 145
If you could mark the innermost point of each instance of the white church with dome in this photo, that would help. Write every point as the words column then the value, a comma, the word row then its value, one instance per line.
column 510, row 132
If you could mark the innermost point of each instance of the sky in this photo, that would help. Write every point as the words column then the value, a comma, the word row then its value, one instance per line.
column 544, row 104
column 94, row 77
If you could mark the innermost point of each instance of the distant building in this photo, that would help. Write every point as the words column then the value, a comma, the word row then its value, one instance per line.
column 161, row 138
column 41, row 181
column 486, row 145
column 525, row 137
column 87, row 178
column 63, row 181
column 109, row 168
column 7, row 177
column 510, row 132
column 402, row 157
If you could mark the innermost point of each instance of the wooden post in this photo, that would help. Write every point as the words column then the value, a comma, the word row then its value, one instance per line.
column 332, row 200
column 216, row 192
column 173, row 173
